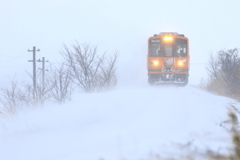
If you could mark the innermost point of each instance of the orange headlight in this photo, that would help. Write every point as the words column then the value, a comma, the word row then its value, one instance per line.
column 155, row 63
column 168, row 38
column 180, row 63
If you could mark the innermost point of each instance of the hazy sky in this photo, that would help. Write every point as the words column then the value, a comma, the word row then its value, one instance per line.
column 124, row 25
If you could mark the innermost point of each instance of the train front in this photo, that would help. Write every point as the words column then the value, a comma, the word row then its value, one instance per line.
column 168, row 59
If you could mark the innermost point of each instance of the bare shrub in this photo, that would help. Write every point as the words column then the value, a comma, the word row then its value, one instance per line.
column 90, row 71
column 224, row 73
column 18, row 95
column 83, row 67
column 40, row 94
column 106, row 78
column 234, row 131
column 59, row 83
column 58, row 88
column 9, row 98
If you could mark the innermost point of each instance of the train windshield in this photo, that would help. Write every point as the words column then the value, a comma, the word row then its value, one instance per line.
column 155, row 49
column 176, row 49
column 168, row 50
column 158, row 48
column 180, row 48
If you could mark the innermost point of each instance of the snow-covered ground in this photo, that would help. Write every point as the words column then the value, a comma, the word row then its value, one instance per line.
column 132, row 123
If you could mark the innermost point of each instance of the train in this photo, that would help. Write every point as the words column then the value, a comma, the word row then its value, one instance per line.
column 168, row 59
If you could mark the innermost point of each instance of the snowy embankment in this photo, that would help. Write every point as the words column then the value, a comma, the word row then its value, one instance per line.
column 130, row 123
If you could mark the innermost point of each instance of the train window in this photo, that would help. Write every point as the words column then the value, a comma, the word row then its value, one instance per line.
column 168, row 51
column 155, row 49
column 181, row 48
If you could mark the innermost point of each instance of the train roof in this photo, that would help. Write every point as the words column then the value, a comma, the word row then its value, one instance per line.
column 169, row 33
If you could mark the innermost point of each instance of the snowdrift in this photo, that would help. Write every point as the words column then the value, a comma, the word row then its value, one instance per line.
column 131, row 123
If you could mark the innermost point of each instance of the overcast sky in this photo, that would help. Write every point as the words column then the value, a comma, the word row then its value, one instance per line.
column 124, row 25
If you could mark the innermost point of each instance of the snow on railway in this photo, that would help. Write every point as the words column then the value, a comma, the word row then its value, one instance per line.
column 126, row 123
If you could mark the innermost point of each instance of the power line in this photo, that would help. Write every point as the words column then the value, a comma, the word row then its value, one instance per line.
column 198, row 63
column 14, row 58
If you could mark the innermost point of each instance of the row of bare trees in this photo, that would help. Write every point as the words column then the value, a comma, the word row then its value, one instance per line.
column 58, row 88
column 224, row 73
column 83, row 69
column 90, row 71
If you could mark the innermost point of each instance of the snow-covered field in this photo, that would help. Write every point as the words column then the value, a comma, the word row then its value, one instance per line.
column 133, row 123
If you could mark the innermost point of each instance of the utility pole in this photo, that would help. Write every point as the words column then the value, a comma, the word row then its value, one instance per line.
column 34, row 71
column 43, row 73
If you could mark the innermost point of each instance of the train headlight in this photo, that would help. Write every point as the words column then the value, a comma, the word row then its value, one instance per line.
column 155, row 63
column 168, row 38
column 180, row 63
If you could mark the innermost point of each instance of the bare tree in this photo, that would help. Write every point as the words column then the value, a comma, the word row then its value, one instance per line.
column 9, row 97
column 107, row 76
column 58, row 88
column 83, row 68
column 60, row 82
column 213, row 67
column 90, row 71
column 224, row 72
column 41, row 92
column 17, row 96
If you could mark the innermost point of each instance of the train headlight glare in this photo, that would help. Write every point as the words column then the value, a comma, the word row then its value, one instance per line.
column 155, row 63
column 168, row 38
column 180, row 63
